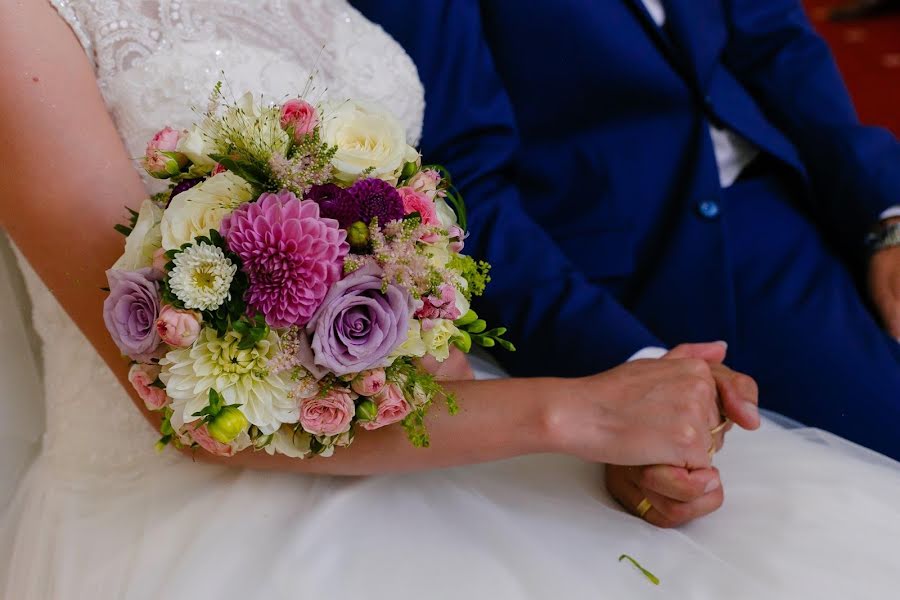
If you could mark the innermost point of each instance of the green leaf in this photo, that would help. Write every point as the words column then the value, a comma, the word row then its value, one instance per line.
column 243, row 169
column 466, row 319
column 477, row 326
column 484, row 342
column 650, row 576
column 496, row 332
column 506, row 345
column 123, row 229
column 463, row 341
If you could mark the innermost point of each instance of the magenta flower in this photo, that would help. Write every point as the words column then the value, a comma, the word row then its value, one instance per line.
column 290, row 254
column 365, row 200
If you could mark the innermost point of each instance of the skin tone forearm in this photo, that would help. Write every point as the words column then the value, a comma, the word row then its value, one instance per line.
column 66, row 178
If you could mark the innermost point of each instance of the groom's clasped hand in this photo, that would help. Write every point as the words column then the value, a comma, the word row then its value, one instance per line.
column 681, row 491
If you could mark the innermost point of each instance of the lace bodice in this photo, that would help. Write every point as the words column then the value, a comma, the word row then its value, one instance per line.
column 155, row 60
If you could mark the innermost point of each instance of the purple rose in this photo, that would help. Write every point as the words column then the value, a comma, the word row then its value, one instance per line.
column 130, row 312
column 357, row 327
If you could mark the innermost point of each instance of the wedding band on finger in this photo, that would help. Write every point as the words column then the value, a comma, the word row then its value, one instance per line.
column 643, row 508
column 720, row 427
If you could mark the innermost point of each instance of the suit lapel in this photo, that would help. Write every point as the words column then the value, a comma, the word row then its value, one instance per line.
column 694, row 26
column 663, row 41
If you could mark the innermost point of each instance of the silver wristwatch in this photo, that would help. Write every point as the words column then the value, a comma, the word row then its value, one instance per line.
column 887, row 236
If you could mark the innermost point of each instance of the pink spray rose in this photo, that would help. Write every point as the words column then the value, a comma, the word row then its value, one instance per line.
column 414, row 201
column 160, row 159
column 369, row 383
column 142, row 377
column 200, row 434
column 425, row 182
column 299, row 117
column 329, row 414
column 392, row 407
column 457, row 238
column 442, row 306
column 178, row 328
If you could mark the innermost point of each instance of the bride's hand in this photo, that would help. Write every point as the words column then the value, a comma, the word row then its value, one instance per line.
column 455, row 368
column 643, row 412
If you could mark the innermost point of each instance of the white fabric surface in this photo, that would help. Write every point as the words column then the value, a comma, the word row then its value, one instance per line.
column 99, row 515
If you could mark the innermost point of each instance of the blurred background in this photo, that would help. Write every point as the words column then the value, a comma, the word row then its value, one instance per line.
column 865, row 38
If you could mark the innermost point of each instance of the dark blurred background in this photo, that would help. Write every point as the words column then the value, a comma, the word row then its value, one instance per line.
column 866, row 45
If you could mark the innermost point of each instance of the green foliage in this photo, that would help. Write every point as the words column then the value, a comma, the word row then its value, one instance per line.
column 475, row 272
column 418, row 384
column 252, row 170
column 167, row 431
column 252, row 330
column 650, row 576
column 214, row 408
column 474, row 330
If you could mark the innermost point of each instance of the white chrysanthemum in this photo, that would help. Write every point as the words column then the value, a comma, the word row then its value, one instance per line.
column 202, row 276
column 240, row 376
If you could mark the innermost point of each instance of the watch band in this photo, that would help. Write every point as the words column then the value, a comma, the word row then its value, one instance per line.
column 887, row 236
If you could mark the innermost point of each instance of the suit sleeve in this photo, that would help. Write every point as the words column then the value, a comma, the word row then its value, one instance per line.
column 854, row 169
column 561, row 323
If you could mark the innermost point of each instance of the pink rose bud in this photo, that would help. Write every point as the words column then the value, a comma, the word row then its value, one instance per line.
column 161, row 159
column 392, row 408
column 369, row 383
column 142, row 378
column 298, row 117
column 457, row 239
column 418, row 202
column 199, row 434
column 425, row 182
column 178, row 328
column 330, row 414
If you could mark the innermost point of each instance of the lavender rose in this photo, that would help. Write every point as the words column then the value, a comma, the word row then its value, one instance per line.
column 130, row 312
column 357, row 326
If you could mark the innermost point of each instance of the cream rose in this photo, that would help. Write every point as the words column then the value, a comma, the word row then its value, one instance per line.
column 366, row 137
column 437, row 339
column 195, row 211
column 143, row 241
column 413, row 346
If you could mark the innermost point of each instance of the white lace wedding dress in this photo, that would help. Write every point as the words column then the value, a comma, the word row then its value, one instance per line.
column 97, row 514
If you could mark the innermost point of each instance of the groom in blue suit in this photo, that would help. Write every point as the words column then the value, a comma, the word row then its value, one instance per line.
column 643, row 173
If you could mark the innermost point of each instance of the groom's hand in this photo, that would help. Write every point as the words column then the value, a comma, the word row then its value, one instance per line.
column 738, row 393
column 884, row 285
column 676, row 494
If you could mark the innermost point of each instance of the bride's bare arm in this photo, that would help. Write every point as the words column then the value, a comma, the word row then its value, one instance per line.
column 66, row 178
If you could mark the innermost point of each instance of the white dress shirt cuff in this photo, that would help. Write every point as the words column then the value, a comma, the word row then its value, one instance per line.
column 890, row 213
column 648, row 352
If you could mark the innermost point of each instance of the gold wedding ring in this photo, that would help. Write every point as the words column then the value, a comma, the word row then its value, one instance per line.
column 720, row 427
column 643, row 507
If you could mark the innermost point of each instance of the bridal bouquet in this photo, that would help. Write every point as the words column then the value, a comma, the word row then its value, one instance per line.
column 279, row 293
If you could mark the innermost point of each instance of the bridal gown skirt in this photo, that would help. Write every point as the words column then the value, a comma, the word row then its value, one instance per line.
column 806, row 516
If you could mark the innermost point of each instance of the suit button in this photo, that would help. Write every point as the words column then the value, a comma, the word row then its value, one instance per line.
column 709, row 209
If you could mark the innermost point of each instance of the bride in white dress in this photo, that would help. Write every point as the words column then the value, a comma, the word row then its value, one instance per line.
column 98, row 514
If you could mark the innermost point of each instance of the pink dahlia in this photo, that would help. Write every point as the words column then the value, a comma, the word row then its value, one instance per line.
column 290, row 254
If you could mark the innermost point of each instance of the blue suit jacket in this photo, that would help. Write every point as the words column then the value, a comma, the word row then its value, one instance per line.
column 578, row 132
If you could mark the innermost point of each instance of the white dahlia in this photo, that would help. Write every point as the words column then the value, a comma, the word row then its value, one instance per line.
column 240, row 376
column 202, row 276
